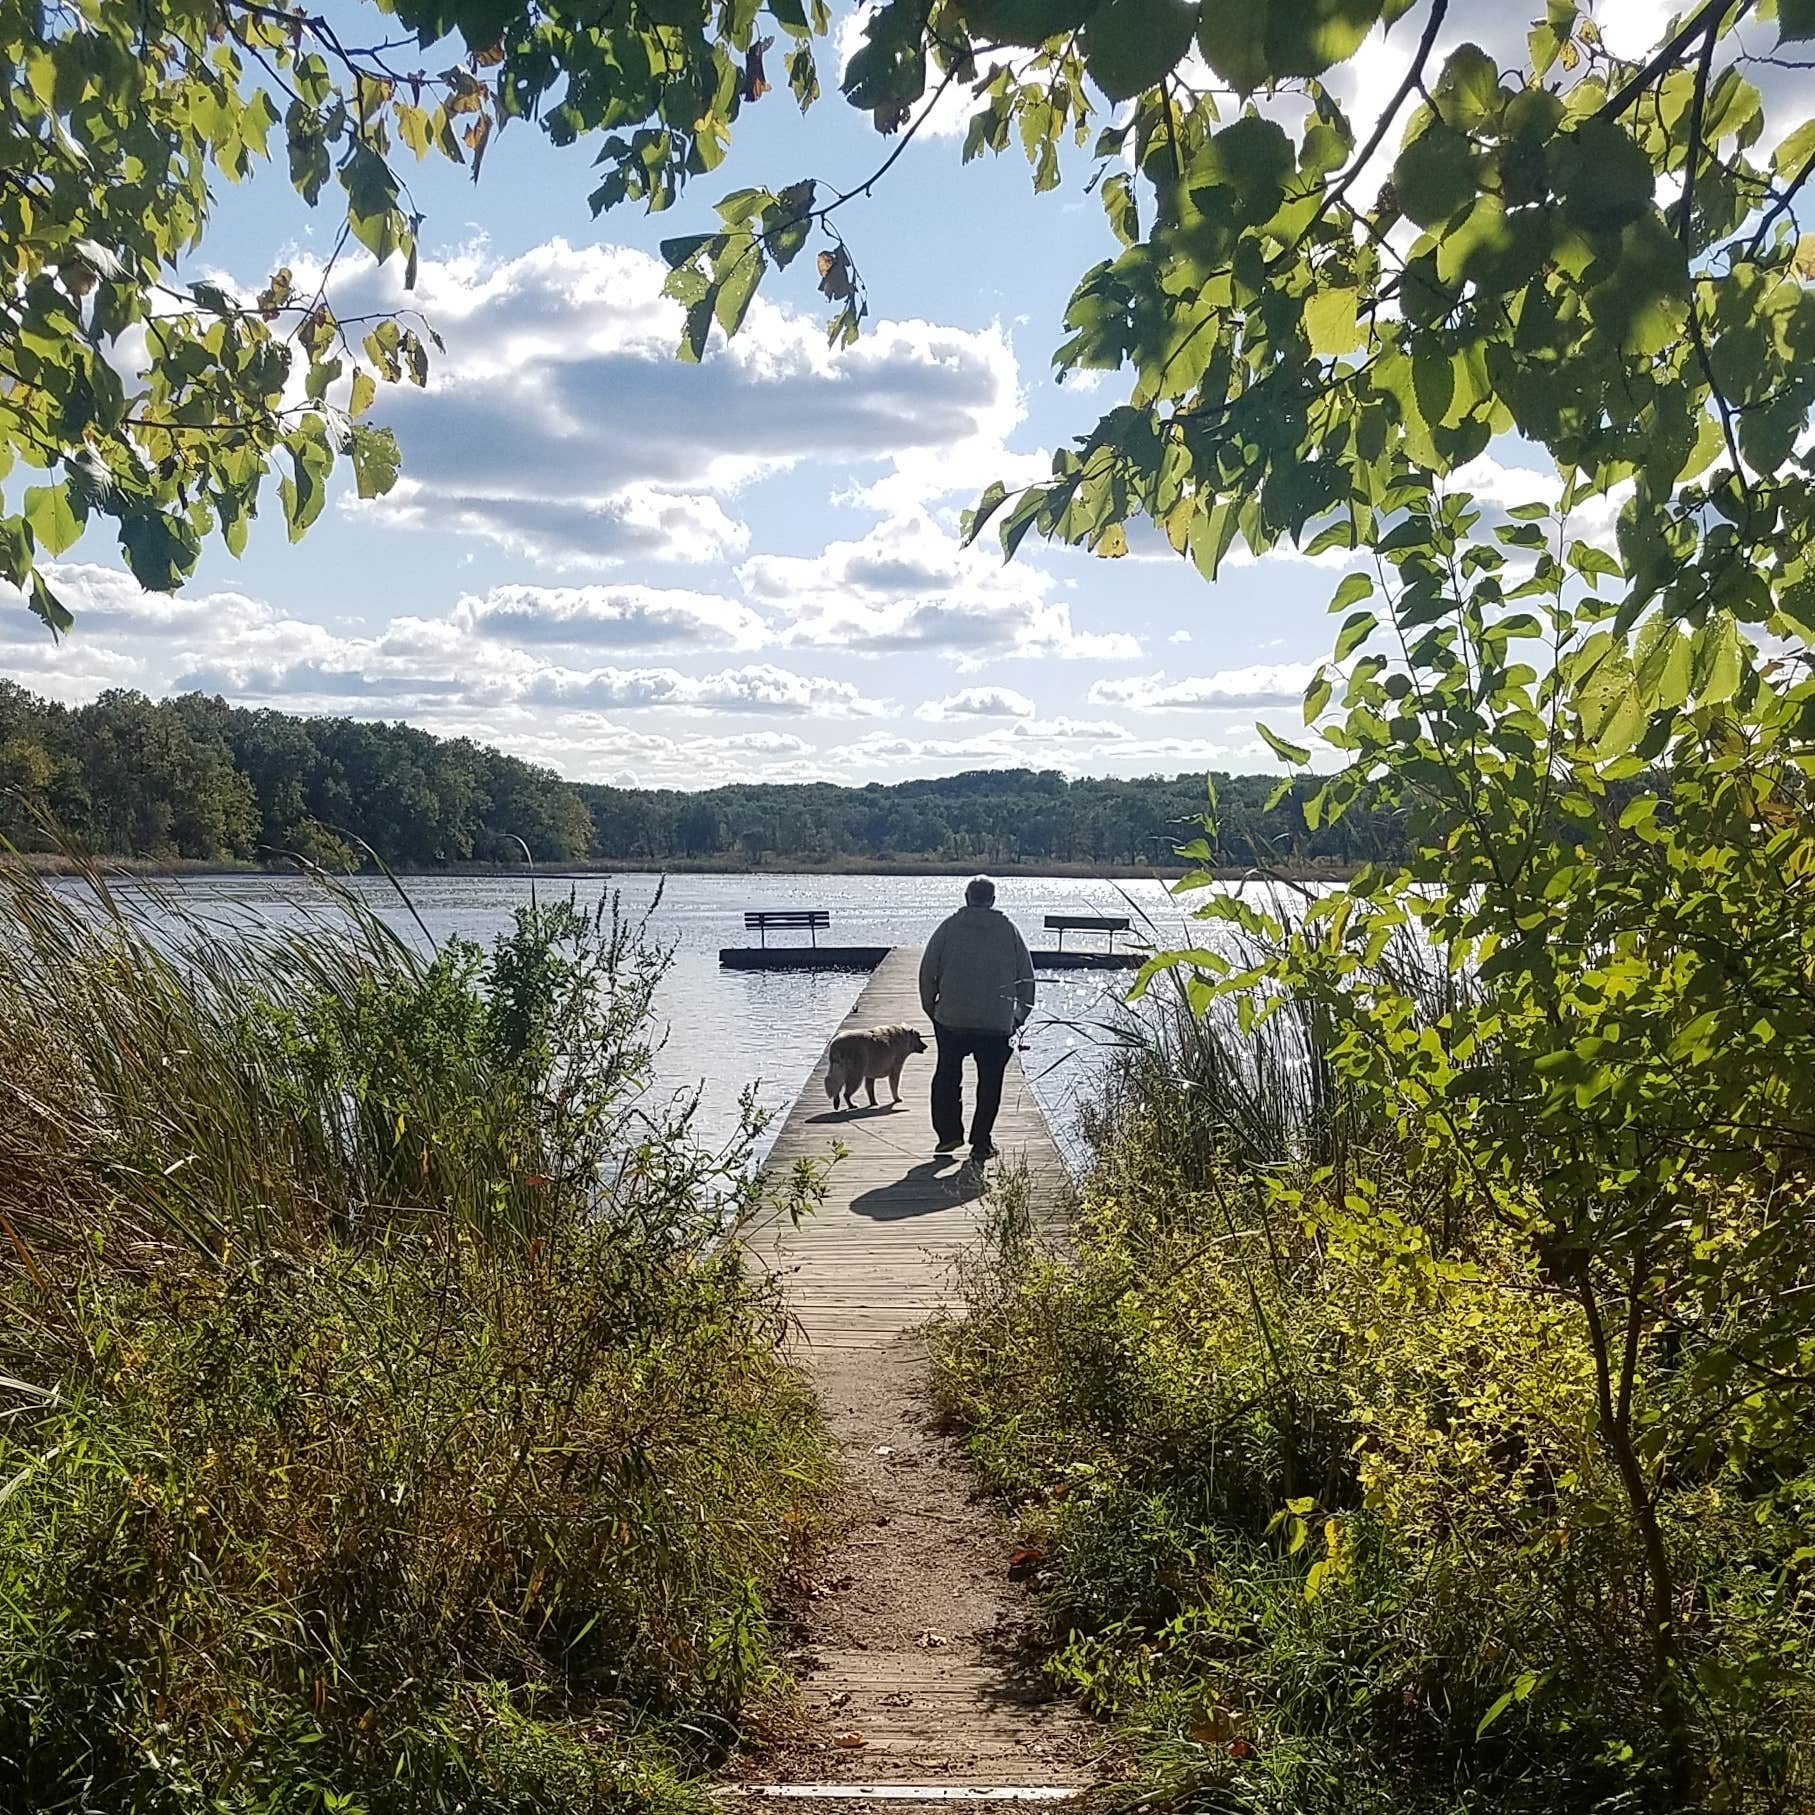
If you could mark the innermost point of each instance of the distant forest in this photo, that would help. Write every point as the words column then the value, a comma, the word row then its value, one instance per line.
column 195, row 779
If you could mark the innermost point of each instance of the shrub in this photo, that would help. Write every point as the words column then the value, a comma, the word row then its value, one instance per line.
column 1312, row 1454
column 387, row 1425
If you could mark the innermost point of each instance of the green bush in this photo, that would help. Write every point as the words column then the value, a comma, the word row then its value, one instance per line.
column 386, row 1425
column 1311, row 1455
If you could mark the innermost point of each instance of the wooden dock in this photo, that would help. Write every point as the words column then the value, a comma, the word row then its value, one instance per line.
column 917, row 1680
column 877, row 1259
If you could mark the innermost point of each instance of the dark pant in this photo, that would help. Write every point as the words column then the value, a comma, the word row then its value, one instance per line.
column 990, row 1050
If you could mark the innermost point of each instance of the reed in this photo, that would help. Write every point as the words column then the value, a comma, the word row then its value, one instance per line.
column 382, row 1425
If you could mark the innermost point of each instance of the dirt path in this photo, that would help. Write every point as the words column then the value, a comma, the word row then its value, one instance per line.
column 912, row 1655
column 914, row 1664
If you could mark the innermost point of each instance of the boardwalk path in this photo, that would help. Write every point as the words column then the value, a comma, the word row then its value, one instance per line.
column 914, row 1638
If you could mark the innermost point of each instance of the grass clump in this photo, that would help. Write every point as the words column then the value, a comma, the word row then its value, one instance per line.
column 1312, row 1451
column 384, row 1424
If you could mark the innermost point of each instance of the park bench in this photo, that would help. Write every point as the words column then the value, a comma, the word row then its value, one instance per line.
column 808, row 920
column 1086, row 923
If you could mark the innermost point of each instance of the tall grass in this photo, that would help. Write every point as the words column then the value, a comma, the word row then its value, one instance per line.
column 381, row 1425
column 1308, row 1448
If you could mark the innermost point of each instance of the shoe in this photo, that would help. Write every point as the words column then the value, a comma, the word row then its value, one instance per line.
column 981, row 1151
column 947, row 1146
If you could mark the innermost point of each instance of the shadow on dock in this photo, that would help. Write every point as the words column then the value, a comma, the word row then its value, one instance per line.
column 933, row 1185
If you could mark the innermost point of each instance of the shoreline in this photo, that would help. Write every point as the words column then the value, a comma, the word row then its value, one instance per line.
column 179, row 869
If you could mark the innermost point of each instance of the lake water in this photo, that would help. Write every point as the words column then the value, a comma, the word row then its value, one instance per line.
column 729, row 1029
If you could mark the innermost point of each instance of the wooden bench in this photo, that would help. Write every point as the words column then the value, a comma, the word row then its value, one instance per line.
column 808, row 920
column 1087, row 923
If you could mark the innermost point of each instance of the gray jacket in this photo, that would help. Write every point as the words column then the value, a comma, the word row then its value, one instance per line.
column 976, row 973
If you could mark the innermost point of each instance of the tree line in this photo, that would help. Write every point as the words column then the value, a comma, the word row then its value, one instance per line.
column 196, row 779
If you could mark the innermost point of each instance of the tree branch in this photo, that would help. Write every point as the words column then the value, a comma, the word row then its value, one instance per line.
column 1696, row 107
column 1708, row 18
column 1414, row 78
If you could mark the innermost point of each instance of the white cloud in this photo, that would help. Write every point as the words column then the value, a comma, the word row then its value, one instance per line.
column 978, row 702
column 1179, row 636
column 906, row 585
column 634, row 521
column 612, row 617
column 560, row 426
column 1276, row 684
column 760, row 688
column 464, row 675
column 485, row 658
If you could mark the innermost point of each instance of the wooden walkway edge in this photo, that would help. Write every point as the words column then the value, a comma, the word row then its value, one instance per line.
column 914, row 1665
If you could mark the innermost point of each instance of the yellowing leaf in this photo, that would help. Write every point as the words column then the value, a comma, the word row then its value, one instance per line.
column 1331, row 323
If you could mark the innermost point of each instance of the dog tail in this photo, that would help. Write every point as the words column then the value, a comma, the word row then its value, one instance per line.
column 834, row 1080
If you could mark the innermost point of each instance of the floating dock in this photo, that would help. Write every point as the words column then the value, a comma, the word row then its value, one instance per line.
column 802, row 957
column 868, row 957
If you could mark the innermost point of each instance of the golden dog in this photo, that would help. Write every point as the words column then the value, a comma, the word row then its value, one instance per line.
column 869, row 1054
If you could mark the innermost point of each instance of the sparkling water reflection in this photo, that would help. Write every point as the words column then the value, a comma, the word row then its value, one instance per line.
column 723, row 1029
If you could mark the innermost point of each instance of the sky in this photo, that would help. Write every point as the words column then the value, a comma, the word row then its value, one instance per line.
column 656, row 574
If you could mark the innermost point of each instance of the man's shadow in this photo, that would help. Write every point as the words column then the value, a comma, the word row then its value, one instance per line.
column 933, row 1185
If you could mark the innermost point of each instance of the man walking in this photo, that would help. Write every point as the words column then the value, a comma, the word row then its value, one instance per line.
column 977, row 987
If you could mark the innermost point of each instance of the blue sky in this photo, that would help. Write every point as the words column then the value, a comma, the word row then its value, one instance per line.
column 641, row 571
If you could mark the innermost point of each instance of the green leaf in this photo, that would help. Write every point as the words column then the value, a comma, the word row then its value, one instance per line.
column 365, row 390
column 1352, row 588
column 375, row 460
column 1233, row 40
column 1613, row 716
column 1210, row 537
column 698, row 327
column 1494, row 1713
column 738, row 287
column 1292, row 753
column 46, row 605
column 1356, row 630
column 1022, row 21
column 1306, row 37
column 1661, row 660
column 1252, row 42
column 1605, row 179
column 888, row 70
column 1796, row 604
column 1796, row 148
column 1434, row 175
column 1716, row 661
column 682, row 251
column 1130, row 44
column 55, row 525
column 1468, row 89
column 1795, row 21
column 1592, row 563
column 159, row 549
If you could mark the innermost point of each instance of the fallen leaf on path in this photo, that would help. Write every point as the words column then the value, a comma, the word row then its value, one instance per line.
column 849, row 1740
column 841, row 1700
column 930, row 1640
column 1023, row 1562
column 1215, row 1729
